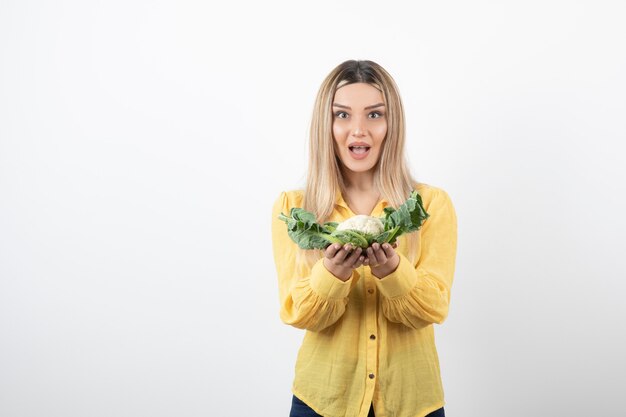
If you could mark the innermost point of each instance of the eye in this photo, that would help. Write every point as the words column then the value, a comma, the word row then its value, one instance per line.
column 375, row 115
column 341, row 115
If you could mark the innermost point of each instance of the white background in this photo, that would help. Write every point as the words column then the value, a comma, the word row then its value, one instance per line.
column 142, row 145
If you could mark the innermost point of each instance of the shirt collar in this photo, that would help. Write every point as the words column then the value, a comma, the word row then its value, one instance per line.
column 377, row 211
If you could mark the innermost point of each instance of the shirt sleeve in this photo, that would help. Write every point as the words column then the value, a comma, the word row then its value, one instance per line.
column 419, row 294
column 310, row 298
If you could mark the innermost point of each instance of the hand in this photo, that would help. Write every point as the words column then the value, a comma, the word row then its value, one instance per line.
column 382, row 259
column 341, row 261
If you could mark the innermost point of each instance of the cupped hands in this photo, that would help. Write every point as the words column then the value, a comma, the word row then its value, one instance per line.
column 342, row 260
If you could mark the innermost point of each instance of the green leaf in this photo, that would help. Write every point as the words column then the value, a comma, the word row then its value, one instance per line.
column 303, row 229
column 407, row 218
column 353, row 237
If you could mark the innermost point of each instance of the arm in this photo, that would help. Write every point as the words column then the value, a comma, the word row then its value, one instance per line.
column 310, row 298
column 419, row 294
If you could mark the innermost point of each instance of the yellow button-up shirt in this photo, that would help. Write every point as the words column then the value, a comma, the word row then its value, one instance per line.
column 369, row 340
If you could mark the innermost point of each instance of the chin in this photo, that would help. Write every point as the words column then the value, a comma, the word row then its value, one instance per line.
column 358, row 167
column 365, row 165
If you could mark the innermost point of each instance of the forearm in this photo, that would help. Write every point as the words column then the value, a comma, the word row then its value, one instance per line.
column 414, row 296
column 317, row 300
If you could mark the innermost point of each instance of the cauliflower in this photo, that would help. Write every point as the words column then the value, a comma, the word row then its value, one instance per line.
column 360, row 230
column 369, row 225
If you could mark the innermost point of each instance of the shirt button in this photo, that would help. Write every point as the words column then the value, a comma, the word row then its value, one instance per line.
column 372, row 336
column 371, row 376
column 370, row 290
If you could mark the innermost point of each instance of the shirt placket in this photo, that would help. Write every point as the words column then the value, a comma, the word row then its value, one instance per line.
column 371, row 335
column 371, row 321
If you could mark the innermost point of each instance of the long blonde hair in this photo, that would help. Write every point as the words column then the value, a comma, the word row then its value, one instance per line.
column 324, row 180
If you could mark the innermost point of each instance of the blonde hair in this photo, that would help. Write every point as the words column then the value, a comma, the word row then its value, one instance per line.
column 324, row 180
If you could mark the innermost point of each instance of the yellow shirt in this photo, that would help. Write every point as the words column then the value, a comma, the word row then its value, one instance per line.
column 368, row 339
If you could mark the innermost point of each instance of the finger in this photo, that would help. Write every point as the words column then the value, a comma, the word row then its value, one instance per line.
column 389, row 250
column 359, row 262
column 341, row 255
column 353, row 256
column 332, row 250
column 371, row 258
column 381, row 257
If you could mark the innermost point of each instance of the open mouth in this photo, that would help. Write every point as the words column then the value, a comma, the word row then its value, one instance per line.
column 359, row 152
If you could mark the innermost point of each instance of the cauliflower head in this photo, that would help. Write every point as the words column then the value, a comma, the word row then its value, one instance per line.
column 362, row 223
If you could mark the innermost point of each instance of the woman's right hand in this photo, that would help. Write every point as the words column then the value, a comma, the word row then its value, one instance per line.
column 341, row 261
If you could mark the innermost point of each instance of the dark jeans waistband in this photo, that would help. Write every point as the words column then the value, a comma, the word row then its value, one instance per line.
column 300, row 409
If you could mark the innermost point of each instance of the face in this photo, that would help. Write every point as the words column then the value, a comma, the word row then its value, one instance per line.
column 359, row 126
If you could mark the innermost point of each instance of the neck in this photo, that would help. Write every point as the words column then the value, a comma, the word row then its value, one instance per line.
column 359, row 181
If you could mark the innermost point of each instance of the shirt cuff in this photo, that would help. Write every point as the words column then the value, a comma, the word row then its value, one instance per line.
column 400, row 281
column 324, row 283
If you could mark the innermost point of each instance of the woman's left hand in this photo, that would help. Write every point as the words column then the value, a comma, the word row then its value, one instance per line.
column 382, row 259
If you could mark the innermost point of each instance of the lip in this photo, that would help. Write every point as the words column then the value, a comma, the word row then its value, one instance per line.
column 359, row 144
column 359, row 156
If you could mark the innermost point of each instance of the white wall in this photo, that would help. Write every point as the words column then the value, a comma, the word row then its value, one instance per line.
column 142, row 145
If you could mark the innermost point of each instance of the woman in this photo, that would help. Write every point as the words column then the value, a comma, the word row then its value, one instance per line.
column 369, row 344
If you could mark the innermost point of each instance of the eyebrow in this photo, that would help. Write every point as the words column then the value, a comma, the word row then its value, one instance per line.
column 373, row 106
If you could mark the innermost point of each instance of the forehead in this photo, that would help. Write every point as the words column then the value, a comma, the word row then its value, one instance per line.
column 358, row 94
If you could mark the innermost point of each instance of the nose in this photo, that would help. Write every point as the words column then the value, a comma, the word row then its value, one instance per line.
column 359, row 128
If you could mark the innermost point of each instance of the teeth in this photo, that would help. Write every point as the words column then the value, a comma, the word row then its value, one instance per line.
column 359, row 149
